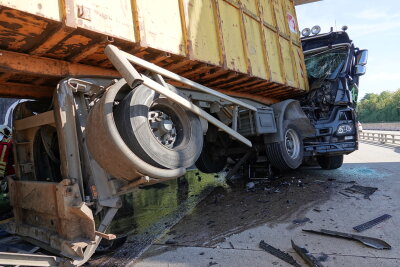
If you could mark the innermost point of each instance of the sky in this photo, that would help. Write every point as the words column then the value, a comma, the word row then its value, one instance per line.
column 372, row 25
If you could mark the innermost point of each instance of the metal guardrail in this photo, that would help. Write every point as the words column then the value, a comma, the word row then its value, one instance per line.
column 382, row 126
column 382, row 138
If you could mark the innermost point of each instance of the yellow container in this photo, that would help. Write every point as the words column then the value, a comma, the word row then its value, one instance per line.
column 238, row 46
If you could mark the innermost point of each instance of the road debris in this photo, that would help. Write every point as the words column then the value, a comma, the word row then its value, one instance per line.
column 364, row 190
column 250, row 185
column 306, row 256
column 278, row 253
column 371, row 223
column 301, row 221
column 238, row 164
column 322, row 257
column 368, row 241
column 346, row 195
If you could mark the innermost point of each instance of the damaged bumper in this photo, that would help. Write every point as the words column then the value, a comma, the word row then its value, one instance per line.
column 330, row 148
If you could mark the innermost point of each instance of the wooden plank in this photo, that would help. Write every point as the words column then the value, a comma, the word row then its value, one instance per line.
column 60, row 34
column 217, row 74
column 261, row 99
column 247, row 86
column 40, row 66
column 91, row 49
column 263, row 87
column 19, row 90
column 197, row 69
column 35, row 121
column 40, row 81
column 5, row 76
column 226, row 79
column 239, row 83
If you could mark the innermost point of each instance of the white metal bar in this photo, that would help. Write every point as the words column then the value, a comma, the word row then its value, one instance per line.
column 132, row 77
column 176, row 77
column 117, row 57
column 235, row 117
column 27, row 259
column 160, row 80
column 193, row 108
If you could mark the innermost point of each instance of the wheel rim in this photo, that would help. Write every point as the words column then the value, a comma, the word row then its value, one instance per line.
column 292, row 143
column 163, row 127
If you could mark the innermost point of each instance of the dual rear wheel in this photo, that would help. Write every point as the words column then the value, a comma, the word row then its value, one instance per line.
column 159, row 130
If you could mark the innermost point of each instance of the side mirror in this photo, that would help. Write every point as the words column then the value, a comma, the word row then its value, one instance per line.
column 362, row 57
column 360, row 70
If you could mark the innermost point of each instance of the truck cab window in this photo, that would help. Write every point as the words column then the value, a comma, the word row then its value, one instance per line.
column 325, row 65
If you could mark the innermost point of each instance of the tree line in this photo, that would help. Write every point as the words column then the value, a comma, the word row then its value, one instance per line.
column 383, row 107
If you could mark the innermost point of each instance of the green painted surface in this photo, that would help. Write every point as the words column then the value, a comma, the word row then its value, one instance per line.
column 147, row 206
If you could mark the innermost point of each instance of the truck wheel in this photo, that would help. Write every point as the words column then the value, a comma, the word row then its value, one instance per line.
column 330, row 162
column 158, row 130
column 287, row 154
column 210, row 162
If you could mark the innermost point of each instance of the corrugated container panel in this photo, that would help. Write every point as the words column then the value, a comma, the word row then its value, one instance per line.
column 247, row 45
column 112, row 18
column 46, row 8
column 160, row 25
column 203, row 42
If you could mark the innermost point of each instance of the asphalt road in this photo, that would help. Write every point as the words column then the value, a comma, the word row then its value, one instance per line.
column 215, row 235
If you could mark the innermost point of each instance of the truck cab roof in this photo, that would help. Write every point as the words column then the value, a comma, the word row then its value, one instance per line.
column 328, row 40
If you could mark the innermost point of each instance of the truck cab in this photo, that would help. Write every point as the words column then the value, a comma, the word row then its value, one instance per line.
column 334, row 66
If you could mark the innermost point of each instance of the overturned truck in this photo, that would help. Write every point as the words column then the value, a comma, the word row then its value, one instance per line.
column 200, row 82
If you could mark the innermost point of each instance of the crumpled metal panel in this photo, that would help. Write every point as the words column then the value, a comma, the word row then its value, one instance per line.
column 52, row 213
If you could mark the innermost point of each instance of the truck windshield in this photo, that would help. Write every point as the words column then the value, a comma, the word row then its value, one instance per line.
column 327, row 64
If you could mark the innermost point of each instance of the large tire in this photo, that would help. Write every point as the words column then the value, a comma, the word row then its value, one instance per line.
column 330, row 162
column 170, row 149
column 287, row 154
column 209, row 162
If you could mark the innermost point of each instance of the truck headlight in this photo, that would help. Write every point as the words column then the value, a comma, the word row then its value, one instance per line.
column 315, row 30
column 345, row 129
column 306, row 32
